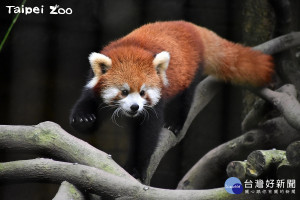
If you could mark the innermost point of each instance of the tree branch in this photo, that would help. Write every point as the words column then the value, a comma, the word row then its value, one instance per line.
column 275, row 133
column 237, row 169
column 293, row 153
column 263, row 163
column 262, row 107
column 255, row 115
column 260, row 161
column 43, row 138
column 280, row 44
column 286, row 103
column 50, row 138
column 204, row 93
column 100, row 182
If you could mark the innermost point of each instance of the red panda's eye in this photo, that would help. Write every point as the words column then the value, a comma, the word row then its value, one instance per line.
column 142, row 93
column 124, row 92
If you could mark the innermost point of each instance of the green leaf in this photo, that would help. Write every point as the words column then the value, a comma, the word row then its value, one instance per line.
column 10, row 28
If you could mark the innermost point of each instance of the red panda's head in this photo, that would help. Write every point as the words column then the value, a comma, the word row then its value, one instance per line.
column 131, row 80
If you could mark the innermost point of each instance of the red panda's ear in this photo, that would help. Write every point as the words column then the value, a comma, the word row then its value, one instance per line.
column 161, row 63
column 99, row 63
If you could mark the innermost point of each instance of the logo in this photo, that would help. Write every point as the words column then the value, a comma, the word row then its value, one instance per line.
column 233, row 185
column 54, row 10
column 270, row 186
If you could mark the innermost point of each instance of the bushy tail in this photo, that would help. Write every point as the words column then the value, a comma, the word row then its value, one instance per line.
column 236, row 63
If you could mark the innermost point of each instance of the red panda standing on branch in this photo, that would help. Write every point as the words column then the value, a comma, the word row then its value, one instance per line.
column 155, row 67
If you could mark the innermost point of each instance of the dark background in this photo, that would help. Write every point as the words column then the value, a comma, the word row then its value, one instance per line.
column 44, row 66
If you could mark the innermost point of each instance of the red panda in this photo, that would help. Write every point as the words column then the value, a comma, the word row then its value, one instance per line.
column 156, row 66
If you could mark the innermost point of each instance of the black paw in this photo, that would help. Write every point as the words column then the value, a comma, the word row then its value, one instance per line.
column 174, row 129
column 83, row 122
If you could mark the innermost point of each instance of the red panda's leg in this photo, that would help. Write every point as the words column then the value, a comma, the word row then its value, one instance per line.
column 174, row 115
column 147, row 136
column 177, row 109
column 83, row 116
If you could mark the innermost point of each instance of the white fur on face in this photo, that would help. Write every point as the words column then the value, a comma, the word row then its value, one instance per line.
column 125, row 87
column 154, row 94
column 149, row 99
column 109, row 94
column 131, row 99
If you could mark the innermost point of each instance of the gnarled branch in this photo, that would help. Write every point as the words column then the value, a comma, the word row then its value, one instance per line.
column 50, row 138
column 280, row 44
column 286, row 103
column 204, row 92
column 275, row 133
column 100, row 182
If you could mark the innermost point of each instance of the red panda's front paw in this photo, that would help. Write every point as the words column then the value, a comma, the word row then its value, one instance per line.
column 173, row 129
column 83, row 122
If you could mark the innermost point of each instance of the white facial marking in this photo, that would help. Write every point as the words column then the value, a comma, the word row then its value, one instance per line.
column 144, row 87
column 126, row 87
column 109, row 94
column 126, row 103
column 133, row 98
column 92, row 83
column 154, row 94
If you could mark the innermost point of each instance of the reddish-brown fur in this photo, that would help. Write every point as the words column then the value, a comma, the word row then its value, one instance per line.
column 189, row 46
column 233, row 62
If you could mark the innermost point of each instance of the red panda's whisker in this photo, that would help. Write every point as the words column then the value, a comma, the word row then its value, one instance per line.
column 152, row 109
column 145, row 114
column 113, row 117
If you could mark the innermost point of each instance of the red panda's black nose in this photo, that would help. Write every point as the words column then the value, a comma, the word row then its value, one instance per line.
column 134, row 107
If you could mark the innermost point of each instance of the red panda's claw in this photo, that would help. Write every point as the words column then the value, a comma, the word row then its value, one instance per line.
column 173, row 129
column 83, row 122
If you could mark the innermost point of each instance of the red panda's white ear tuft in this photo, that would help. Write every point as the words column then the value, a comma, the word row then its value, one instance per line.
column 161, row 63
column 99, row 63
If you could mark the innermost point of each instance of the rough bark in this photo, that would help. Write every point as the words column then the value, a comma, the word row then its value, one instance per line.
column 286, row 103
column 261, row 161
column 293, row 153
column 237, row 169
column 256, row 115
column 261, row 107
column 97, row 181
column 280, row 43
column 274, row 133
column 51, row 139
